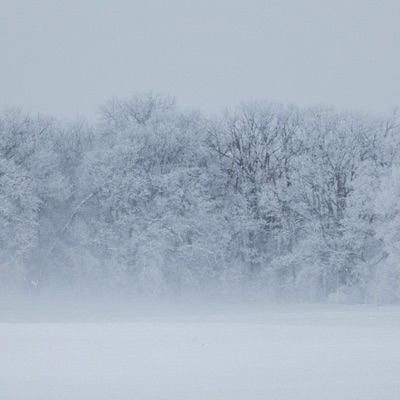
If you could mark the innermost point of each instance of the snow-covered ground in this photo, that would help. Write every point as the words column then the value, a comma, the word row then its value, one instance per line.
column 283, row 353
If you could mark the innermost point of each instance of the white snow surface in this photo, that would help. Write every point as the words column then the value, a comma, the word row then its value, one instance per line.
column 282, row 352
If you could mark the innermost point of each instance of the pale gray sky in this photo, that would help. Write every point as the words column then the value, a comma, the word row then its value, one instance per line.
column 67, row 57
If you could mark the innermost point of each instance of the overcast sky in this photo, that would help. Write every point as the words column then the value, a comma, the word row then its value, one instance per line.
column 67, row 57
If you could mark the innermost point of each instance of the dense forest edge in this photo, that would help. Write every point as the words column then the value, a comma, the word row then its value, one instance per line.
column 266, row 201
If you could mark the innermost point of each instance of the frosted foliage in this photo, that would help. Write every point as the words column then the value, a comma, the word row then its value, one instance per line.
column 264, row 201
column 386, row 285
column 18, row 220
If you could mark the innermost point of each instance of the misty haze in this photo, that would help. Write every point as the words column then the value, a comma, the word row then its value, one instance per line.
column 238, row 241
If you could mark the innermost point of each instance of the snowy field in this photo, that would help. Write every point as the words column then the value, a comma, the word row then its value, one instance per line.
column 283, row 353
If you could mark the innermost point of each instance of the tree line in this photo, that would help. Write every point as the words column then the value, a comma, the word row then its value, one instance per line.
column 264, row 200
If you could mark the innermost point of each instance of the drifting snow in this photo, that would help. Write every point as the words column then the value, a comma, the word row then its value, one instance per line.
column 283, row 353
